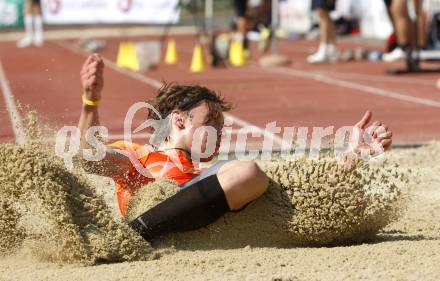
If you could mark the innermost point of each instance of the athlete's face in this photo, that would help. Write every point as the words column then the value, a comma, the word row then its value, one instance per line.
column 201, row 135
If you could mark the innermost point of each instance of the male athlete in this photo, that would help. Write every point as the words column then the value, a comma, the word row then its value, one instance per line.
column 205, row 195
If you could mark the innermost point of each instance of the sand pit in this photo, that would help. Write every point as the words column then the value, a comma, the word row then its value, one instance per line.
column 259, row 243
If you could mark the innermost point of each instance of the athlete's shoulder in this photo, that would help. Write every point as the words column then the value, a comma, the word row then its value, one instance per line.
column 139, row 150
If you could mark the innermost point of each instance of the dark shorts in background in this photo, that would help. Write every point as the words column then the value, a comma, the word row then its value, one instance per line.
column 388, row 2
column 36, row 2
column 240, row 8
column 328, row 5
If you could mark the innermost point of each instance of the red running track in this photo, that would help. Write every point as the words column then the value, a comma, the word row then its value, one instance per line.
column 299, row 95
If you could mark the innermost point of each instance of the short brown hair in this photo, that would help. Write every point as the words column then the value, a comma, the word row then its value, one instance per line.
column 183, row 97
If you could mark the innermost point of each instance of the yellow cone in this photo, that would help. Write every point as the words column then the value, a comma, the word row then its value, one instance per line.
column 171, row 56
column 127, row 56
column 197, row 62
column 236, row 53
column 232, row 50
column 121, row 54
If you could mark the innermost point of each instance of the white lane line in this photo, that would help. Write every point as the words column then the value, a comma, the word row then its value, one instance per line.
column 157, row 84
column 106, row 32
column 135, row 75
column 352, row 85
column 17, row 125
column 245, row 124
column 377, row 78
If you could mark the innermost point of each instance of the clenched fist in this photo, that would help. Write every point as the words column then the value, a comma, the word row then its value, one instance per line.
column 92, row 77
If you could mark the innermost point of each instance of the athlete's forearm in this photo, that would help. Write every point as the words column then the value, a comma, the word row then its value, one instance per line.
column 92, row 80
column 113, row 164
column 89, row 117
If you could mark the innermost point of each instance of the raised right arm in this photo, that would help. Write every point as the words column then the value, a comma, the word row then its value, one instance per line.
column 92, row 80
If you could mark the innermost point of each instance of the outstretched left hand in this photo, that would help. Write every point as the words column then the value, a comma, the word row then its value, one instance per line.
column 375, row 138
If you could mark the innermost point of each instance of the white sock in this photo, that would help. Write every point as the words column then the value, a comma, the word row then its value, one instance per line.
column 38, row 26
column 28, row 25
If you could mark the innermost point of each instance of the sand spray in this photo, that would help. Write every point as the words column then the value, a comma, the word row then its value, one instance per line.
column 55, row 214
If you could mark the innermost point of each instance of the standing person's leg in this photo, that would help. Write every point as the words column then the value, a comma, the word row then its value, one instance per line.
column 33, row 22
column 388, row 4
column 38, row 23
column 241, row 22
column 402, row 25
column 26, row 41
column 391, row 43
column 328, row 29
column 422, row 36
column 327, row 51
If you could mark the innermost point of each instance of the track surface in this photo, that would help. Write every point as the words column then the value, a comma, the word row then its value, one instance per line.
column 47, row 79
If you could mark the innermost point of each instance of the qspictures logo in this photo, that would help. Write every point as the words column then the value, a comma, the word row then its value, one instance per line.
column 204, row 146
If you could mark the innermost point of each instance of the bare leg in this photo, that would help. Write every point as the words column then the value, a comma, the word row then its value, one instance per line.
column 242, row 182
column 36, row 9
column 403, row 28
column 421, row 24
column 327, row 51
column 242, row 26
column 28, row 24
column 242, row 21
column 326, row 27
column 38, row 24
column 28, row 8
column 390, row 15
column 402, row 22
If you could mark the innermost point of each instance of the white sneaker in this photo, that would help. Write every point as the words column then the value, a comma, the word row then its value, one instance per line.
column 330, row 55
column 394, row 55
column 38, row 41
column 25, row 42
column 333, row 54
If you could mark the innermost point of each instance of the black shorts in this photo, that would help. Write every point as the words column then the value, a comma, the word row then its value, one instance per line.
column 240, row 7
column 38, row 2
column 388, row 3
column 328, row 5
column 213, row 170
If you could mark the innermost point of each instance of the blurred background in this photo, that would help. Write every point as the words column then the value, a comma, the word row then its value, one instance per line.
column 297, row 62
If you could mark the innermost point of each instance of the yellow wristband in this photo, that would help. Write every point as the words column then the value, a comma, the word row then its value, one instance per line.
column 89, row 102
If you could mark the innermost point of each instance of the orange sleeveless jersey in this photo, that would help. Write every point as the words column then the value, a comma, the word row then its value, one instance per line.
column 175, row 166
